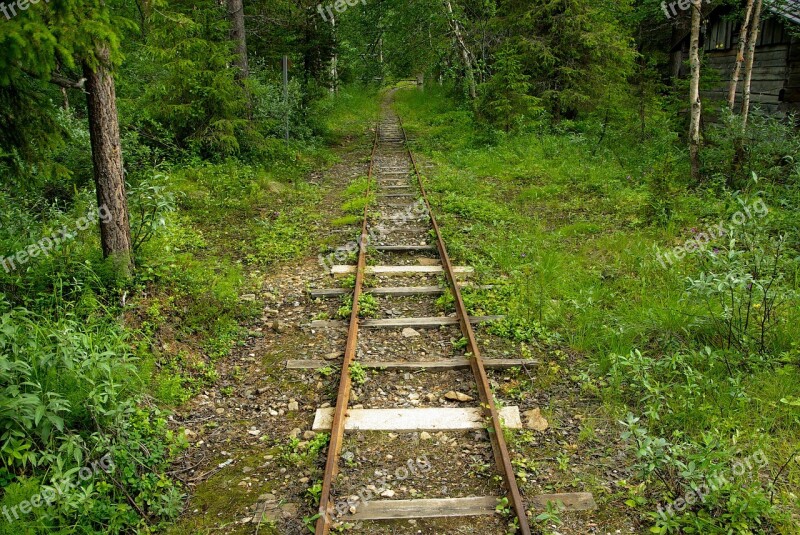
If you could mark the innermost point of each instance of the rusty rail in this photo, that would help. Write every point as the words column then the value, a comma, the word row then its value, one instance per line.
column 499, row 446
column 324, row 521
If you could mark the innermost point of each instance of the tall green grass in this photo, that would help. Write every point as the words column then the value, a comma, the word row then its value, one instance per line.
column 573, row 226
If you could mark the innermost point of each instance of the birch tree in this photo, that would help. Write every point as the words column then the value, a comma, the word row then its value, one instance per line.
column 748, row 68
column 694, row 90
column 737, row 66
column 466, row 55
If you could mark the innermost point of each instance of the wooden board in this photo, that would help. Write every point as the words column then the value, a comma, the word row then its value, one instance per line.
column 394, row 323
column 344, row 269
column 411, row 366
column 421, row 419
column 403, row 218
column 457, row 507
column 396, row 291
column 431, row 508
column 404, row 229
column 401, row 248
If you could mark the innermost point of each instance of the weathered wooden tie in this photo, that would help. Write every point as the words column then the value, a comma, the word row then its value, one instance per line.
column 431, row 322
column 410, row 420
column 414, row 366
column 459, row 507
column 345, row 269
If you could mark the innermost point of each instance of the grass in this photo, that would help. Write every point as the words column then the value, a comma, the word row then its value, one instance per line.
column 571, row 233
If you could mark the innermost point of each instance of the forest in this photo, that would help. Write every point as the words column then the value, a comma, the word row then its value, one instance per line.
column 619, row 181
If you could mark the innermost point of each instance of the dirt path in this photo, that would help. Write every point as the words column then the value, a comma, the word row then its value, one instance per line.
column 243, row 459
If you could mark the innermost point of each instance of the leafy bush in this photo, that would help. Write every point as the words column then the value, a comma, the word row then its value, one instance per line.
column 769, row 147
column 703, row 487
column 68, row 396
column 743, row 289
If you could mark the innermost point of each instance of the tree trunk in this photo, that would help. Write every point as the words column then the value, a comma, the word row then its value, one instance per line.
column 236, row 16
column 748, row 67
column 694, row 90
column 109, row 177
column 334, row 58
column 466, row 55
column 740, row 54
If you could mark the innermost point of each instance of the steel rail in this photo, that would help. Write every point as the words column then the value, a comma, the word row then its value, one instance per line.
column 499, row 446
column 325, row 519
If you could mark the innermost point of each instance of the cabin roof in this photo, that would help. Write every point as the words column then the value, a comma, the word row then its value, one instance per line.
column 788, row 9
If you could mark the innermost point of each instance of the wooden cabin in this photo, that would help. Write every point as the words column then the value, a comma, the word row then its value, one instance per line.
column 776, row 69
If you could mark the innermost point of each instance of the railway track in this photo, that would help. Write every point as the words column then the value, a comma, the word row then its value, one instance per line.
column 398, row 227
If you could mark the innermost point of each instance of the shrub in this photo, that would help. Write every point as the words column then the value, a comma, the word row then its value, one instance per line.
column 68, row 396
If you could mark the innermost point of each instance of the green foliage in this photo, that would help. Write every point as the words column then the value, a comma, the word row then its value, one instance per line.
column 43, row 40
column 346, row 310
column 347, row 221
column 190, row 93
column 519, row 330
column 80, row 372
column 663, row 185
column 566, row 229
column 358, row 374
column 355, row 206
column 149, row 202
column 576, row 52
column 674, row 391
column 551, row 515
column 296, row 453
column 505, row 99
column 743, row 290
column 768, row 148
column 368, row 306
column 315, row 492
column 704, row 487
column 73, row 402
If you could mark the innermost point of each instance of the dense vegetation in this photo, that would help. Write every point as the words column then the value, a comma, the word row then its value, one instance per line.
column 560, row 146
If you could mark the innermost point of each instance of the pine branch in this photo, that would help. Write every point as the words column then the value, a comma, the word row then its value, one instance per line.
column 61, row 81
